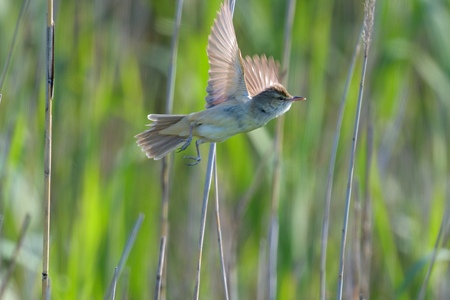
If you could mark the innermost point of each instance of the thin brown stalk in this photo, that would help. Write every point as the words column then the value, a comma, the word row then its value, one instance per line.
column 330, row 178
column 125, row 253
column 48, row 148
column 369, row 8
column 12, row 264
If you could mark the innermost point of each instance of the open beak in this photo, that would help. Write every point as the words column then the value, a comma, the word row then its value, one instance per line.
column 297, row 98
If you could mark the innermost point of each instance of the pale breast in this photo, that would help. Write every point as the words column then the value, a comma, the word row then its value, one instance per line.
column 223, row 121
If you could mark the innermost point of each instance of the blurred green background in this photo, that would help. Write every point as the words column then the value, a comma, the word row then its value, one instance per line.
column 111, row 66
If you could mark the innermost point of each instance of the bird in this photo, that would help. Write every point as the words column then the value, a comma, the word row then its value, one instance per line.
column 243, row 94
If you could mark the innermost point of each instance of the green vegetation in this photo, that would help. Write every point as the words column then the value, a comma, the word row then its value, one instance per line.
column 111, row 62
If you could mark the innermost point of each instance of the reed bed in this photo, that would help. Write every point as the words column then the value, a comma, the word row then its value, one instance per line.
column 111, row 71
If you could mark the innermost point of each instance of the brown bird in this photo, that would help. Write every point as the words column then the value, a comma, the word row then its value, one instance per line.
column 243, row 95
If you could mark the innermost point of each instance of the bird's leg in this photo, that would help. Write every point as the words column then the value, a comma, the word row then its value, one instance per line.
column 198, row 158
column 188, row 141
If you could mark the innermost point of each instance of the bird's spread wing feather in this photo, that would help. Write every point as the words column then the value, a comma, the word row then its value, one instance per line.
column 260, row 73
column 226, row 74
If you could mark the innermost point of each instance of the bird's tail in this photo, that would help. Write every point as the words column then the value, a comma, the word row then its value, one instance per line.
column 155, row 144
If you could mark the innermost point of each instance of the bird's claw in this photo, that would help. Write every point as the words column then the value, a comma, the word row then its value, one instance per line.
column 194, row 158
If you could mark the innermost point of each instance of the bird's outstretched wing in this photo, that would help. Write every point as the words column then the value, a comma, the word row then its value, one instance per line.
column 226, row 74
column 260, row 73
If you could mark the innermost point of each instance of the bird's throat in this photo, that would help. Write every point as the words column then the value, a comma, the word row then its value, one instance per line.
column 264, row 111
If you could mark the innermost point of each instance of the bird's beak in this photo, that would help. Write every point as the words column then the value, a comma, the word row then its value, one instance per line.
column 297, row 98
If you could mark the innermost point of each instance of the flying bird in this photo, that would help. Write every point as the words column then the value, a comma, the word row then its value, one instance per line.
column 243, row 95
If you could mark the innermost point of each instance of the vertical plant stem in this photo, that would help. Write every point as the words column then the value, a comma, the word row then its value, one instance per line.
column 211, row 165
column 167, row 162
column 369, row 7
column 276, row 179
column 207, row 186
column 116, row 276
column 48, row 148
column 159, row 273
column 219, row 233
column 330, row 178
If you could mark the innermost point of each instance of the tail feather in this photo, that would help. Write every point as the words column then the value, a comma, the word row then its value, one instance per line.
column 155, row 144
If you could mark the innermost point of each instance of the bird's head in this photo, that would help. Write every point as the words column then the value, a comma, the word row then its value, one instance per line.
column 278, row 92
column 273, row 101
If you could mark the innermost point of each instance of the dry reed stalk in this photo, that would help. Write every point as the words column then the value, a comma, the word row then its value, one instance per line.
column 369, row 9
column 48, row 149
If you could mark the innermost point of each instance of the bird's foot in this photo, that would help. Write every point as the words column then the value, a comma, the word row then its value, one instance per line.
column 196, row 160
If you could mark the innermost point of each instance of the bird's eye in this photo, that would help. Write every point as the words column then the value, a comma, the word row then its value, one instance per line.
column 280, row 98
